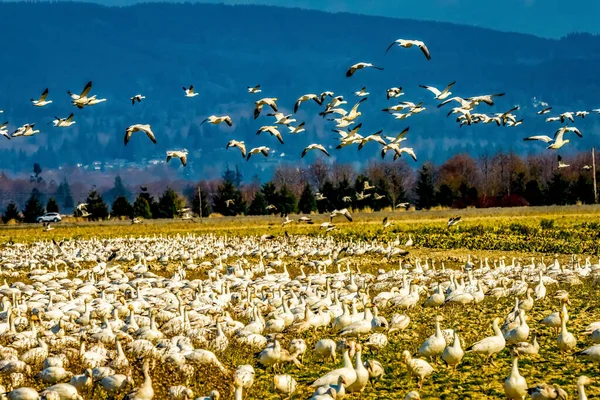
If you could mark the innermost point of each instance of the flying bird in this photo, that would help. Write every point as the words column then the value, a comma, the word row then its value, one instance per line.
column 394, row 92
column 139, row 127
column 453, row 221
column 213, row 119
column 262, row 149
column 486, row 98
column 269, row 101
column 63, row 122
column 439, row 95
column 586, row 168
column 544, row 111
column 362, row 92
column 296, row 130
column 181, row 154
column 314, row 146
column 86, row 90
column 254, row 89
column 189, row 92
column 358, row 66
column 138, row 98
column 307, row 97
column 41, row 102
column 555, row 144
column 240, row 145
column 410, row 43
column 273, row 130
column 25, row 130
column 4, row 131
column 561, row 164
column 282, row 119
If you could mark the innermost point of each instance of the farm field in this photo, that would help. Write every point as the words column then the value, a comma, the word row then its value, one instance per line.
column 182, row 279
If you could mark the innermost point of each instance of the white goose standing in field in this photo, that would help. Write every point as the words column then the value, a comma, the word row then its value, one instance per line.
column 41, row 102
column 63, row 122
column 581, row 382
column 360, row 65
column 454, row 353
column 285, row 384
column 213, row 119
column 181, row 154
column 566, row 340
column 490, row 345
column 147, row 129
column 417, row 367
column 435, row 344
column 410, row 43
column 515, row 386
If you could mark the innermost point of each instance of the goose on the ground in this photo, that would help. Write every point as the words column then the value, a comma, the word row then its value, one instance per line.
column 42, row 101
column 239, row 144
column 137, row 128
column 360, row 65
column 213, row 119
column 439, row 95
column 189, row 92
column 264, row 150
column 181, row 154
column 314, row 146
column 410, row 43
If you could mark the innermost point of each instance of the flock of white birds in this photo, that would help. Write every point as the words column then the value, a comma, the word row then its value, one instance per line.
column 80, row 318
column 345, row 120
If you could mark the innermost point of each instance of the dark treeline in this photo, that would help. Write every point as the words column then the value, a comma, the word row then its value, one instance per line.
column 501, row 180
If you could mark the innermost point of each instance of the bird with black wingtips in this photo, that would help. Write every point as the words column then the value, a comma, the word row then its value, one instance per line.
column 297, row 129
column 544, row 111
column 453, row 221
column 281, row 118
column 394, row 92
column 410, row 43
column 273, row 130
column 215, row 120
column 486, row 98
column 190, row 92
column 374, row 137
column 42, row 101
column 239, row 144
column 25, row 130
column 254, row 89
column 360, row 65
column 138, row 98
column 181, row 154
column 63, row 122
column 362, row 92
column 4, row 131
column 264, row 150
column 307, row 97
column 314, row 146
column 561, row 163
column 439, row 95
column 86, row 90
column 137, row 128
column 259, row 104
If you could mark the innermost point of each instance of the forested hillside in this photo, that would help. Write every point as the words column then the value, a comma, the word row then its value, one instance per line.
column 155, row 49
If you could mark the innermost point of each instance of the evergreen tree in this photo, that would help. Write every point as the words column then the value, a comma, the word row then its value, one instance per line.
column 270, row 192
column 533, row 193
column 96, row 206
column 141, row 208
column 557, row 192
column 343, row 189
column 11, row 213
column 359, row 187
column 288, row 203
column 63, row 195
column 328, row 190
column 117, row 190
column 33, row 207
column 397, row 193
column 205, row 204
column 445, row 196
column 169, row 203
column 307, row 202
column 582, row 190
column 227, row 191
column 52, row 206
column 258, row 206
column 425, row 190
column 121, row 207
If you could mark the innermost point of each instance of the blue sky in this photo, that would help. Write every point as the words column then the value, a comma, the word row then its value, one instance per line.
column 547, row 18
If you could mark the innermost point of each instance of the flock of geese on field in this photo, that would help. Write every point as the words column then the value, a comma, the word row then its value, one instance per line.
column 346, row 120
column 81, row 318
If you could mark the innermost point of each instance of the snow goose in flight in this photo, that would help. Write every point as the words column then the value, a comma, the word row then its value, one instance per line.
column 367, row 186
column 544, row 111
column 272, row 129
column 561, row 164
column 262, row 149
column 566, row 115
column 586, row 168
column 189, row 92
column 354, row 113
column 240, row 145
column 439, row 95
column 358, row 66
column 138, row 98
column 342, row 123
column 375, row 137
column 451, row 222
column 254, row 89
column 581, row 114
column 486, row 98
column 362, row 92
column 398, row 151
column 336, row 102
column 314, row 146
column 399, row 137
column 565, row 129
column 394, row 92
column 296, row 130
column 63, row 122
column 269, row 101
column 281, row 118
column 552, row 119
column 213, row 119
column 84, row 92
column 362, row 196
column 4, row 131
column 325, row 94
column 41, row 102
column 181, row 154
column 139, row 127
column 410, row 43
column 25, row 130
column 307, row 97
column 464, row 103
column 343, row 211
column 93, row 101
column 555, row 143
